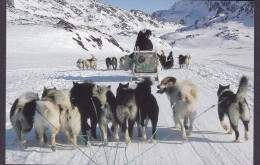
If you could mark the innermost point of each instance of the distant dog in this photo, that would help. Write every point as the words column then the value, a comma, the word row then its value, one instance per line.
column 47, row 116
column 121, row 62
column 81, row 95
column 111, row 61
column 91, row 63
column 187, row 60
column 166, row 64
column 108, row 113
column 69, row 116
column 234, row 106
column 181, row 60
column 80, row 64
column 22, row 114
column 126, row 110
column 147, row 106
column 183, row 97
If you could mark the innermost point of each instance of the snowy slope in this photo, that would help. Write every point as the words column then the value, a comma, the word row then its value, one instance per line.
column 35, row 60
column 89, row 20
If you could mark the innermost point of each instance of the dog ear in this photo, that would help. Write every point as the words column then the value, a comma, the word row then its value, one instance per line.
column 120, row 84
column 171, row 81
column 127, row 85
column 228, row 86
column 109, row 86
column 44, row 89
column 97, row 86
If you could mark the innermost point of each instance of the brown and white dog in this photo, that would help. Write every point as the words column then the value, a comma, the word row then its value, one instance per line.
column 91, row 63
column 182, row 97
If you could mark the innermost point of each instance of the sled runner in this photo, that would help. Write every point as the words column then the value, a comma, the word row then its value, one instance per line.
column 145, row 64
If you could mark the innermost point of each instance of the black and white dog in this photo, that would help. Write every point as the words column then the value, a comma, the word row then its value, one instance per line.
column 166, row 64
column 181, row 60
column 111, row 61
column 126, row 110
column 22, row 114
column 136, row 105
column 234, row 106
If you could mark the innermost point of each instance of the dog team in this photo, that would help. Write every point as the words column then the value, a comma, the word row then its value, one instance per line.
column 111, row 62
column 69, row 109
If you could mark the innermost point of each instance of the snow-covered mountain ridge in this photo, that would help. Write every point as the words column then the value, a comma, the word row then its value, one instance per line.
column 199, row 14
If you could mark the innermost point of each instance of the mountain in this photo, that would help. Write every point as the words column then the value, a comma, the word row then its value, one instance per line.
column 197, row 14
column 93, row 24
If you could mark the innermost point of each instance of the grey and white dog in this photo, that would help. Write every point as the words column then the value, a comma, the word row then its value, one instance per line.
column 21, row 115
column 108, row 114
column 234, row 106
column 80, row 64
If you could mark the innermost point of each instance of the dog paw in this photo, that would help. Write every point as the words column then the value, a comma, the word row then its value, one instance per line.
column 176, row 126
column 230, row 132
column 24, row 145
column 154, row 141
column 236, row 141
column 246, row 137
column 53, row 148
column 117, row 138
column 144, row 137
column 189, row 133
column 184, row 141
column 127, row 141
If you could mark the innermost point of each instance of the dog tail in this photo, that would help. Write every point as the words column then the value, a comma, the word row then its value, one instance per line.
column 194, row 91
column 242, row 89
column 93, row 56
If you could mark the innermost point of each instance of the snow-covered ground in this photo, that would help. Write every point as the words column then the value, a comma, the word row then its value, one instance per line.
column 40, row 57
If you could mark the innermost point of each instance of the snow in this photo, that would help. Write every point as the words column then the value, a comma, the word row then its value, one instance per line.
column 39, row 56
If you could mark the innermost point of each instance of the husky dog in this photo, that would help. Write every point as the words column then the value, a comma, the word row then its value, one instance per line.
column 147, row 106
column 81, row 95
column 128, row 64
column 126, row 110
column 187, row 60
column 91, row 63
column 69, row 116
column 80, row 64
column 183, row 97
column 122, row 62
column 47, row 116
column 21, row 115
column 166, row 64
column 181, row 60
column 111, row 61
column 234, row 106
column 108, row 113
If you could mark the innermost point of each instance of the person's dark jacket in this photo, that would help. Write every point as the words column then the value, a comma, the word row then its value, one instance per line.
column 143, row 42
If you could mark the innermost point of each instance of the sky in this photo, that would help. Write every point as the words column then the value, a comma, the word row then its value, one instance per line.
column 147, row 6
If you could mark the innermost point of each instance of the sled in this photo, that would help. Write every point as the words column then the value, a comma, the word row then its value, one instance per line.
column 145, row 64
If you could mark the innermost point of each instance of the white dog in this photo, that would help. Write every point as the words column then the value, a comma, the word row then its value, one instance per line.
column 80, row 64
column 47, row 116
column 187, row 60
column 183, row 97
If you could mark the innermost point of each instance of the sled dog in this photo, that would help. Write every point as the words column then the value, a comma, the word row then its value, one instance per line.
column 91, row 63
column 182, row 97
column 80, row 64
column 234, row 106
column 47, row 116
column 187, row 60
column 121, row 62
column 111, row 61
column 22, row 114
column 108, row 113
column 69, row 116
